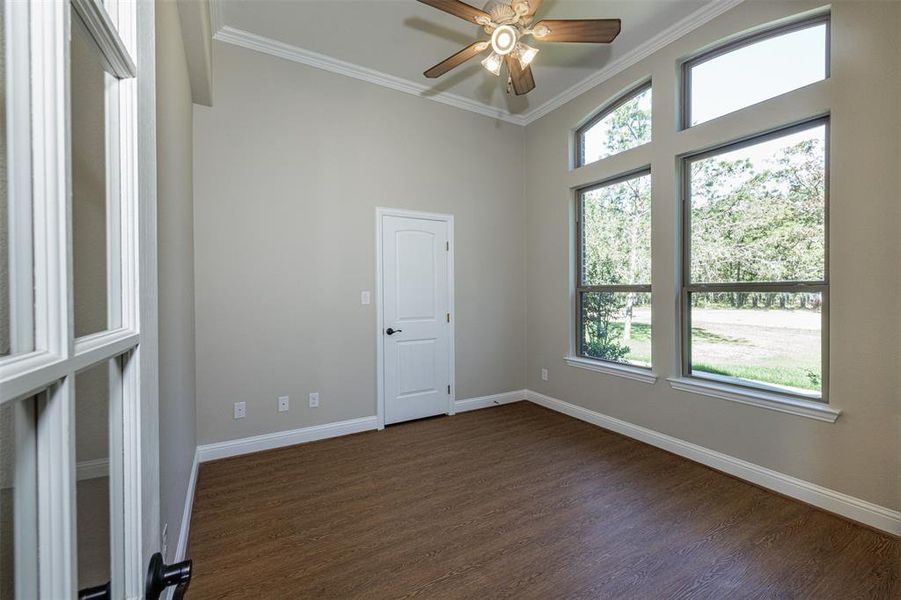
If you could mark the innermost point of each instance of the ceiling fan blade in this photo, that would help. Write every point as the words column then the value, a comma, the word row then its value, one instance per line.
column 456, row 60
column 591, row 31
column 458, row 9
column 523, row 82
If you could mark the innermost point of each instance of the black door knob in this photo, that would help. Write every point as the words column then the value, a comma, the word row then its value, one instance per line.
column 160, row 576
column 390, row 331
column 98, row 592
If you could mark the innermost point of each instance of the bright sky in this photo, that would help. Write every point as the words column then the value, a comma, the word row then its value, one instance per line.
column 761, row 155
column 740, row 78
column 757, row 72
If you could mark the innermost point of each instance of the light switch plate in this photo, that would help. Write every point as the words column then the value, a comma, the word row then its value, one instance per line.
column 284, row 403
column 364, row 297
column 240, row 410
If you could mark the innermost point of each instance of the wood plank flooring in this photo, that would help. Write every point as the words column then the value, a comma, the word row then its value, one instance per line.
column 514, row 502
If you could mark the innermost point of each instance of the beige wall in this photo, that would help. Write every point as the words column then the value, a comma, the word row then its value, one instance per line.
column 856, row 455
column 175, row 215
column 290, row 164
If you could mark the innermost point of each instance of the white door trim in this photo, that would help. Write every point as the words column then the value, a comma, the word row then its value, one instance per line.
column 380, row 214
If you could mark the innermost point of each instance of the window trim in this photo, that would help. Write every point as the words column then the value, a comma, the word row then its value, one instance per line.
column 580, row 289
column 685, row 68
column 601, row 113
column 737, row 385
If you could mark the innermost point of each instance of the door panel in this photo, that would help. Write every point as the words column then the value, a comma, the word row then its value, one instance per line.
column 416, row 272
column 415, row 304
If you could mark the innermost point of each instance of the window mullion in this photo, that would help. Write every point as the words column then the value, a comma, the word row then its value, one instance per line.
column 758, row 286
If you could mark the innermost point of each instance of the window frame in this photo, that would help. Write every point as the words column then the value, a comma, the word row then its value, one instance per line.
column 687, row 65
column 580, row 288
column 599, row 115
column 687, row 287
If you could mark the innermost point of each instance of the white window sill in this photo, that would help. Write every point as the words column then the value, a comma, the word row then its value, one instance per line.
column 609, row 368
column 769, row 400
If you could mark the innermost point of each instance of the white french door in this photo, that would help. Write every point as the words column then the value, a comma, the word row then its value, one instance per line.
column 415, row 303
column 78, row 430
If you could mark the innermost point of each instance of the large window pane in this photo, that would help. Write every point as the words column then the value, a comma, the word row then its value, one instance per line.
column 616, row 233
column 757, row 71
column 616, row 326
column 18, row 497
column 626, row 126
column 90, row 204
column 758, row 212
column 771, row 338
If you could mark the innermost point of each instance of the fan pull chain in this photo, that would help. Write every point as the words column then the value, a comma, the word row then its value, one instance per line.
column 509, row 84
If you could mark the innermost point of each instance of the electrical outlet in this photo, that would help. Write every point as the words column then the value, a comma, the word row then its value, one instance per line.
column 314, row 399
column 364, row 297
column 543, row 374
column 284, row 403
column 164, row 540
column 240, row 410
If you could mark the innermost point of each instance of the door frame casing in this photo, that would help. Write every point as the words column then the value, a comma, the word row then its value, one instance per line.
column 380, row 214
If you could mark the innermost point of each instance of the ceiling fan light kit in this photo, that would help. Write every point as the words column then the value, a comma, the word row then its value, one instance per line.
column 503, row 39
column 508, row 23
column 493, row 63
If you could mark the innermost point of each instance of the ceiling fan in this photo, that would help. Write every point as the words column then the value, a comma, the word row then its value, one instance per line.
column 508, row 23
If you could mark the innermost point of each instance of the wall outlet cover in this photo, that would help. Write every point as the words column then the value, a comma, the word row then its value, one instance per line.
column 314, row 399
column 543, row 374
column 364, row 297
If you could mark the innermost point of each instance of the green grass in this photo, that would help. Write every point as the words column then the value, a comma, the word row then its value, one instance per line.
column 788, row 376
column 641, row 332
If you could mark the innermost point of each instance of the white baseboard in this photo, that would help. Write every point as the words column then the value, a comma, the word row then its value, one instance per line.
column 92, row 469
column 279, row 439
column 489, row 401
column 880, row 517
column 182, row 547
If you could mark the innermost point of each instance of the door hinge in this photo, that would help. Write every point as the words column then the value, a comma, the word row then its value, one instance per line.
column 447, row 246
column 448, row 317
column 448, row 388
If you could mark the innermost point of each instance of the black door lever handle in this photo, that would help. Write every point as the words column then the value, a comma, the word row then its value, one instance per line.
column 160, row 576
column 390, row 331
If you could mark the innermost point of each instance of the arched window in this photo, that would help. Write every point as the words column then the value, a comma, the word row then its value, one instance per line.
column 623, row 124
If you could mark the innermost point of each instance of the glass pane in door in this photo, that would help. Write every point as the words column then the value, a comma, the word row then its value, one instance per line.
column 18, row 496
column 16, row 262
column 97, row 499
column 93, row 213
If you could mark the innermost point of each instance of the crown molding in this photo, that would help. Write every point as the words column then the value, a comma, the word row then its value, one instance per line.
column 272, row 47
column 703, row 15
column 252, row 41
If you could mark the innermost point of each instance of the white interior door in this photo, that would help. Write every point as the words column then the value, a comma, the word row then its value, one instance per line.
column 416, row 317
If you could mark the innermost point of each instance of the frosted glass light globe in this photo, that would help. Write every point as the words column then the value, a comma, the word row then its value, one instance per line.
column 503, row 40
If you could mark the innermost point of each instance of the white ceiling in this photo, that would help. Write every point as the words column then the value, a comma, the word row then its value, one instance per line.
column 402, row 38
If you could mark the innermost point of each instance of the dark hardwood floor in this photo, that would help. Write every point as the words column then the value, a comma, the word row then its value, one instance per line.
column 514, row 502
